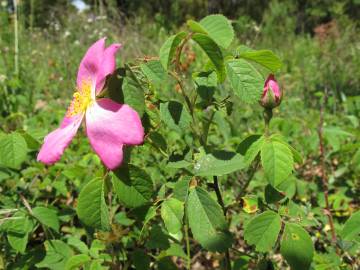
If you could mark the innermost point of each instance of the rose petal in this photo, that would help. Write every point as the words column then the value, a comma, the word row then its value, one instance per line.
column 56, row 141
column 91, row 62
column 97, row 63
column 110, row 125
column 108, row 66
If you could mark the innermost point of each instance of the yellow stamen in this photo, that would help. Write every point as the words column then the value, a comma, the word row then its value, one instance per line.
column 81, row 99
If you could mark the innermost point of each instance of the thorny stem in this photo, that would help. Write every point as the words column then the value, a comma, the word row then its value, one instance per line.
column 221, row 202
column 324, row 176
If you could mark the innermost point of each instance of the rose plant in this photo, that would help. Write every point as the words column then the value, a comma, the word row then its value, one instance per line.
column 182, row 190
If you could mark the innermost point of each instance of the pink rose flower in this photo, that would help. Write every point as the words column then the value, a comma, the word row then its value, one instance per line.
column 109, row 125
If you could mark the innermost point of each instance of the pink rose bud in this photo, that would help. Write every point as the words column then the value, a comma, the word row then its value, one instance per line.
column 272, row 94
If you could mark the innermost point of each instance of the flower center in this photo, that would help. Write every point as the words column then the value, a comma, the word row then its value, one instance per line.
column 81, row 99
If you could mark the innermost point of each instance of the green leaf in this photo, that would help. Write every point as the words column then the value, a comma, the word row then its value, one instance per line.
column 47, row 217
column 96, row 247
column 272, row 195
column 245, row 144
column 219, row 29
column 246, row 81
column 17, row 231
column 57, row 253
column 206, row 83
column 92, row 209
column 263, row 230
column 214, row 53
column 253, row 150
column 79, row 245
column 157, row 239
column 327, row 261
column 172, row 212
column 13, row 150
column 76, row 261
column 175, row 115
column 133, row 186
column 181, row 189
column 207, row 221
column 352, row 227
column 168, row 49
column 288, row 187
column 296, row 155
column 277, row 161
column 97, row 265
column 265, row 58
column 124, row 88
column 155, row 72
column 218, row 163
column 297, row 247
column 174, row 250
column 133, row 95
column 196, row 27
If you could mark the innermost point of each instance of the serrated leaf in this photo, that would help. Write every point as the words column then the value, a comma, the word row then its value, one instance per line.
column 218, row 163
column 174, row 250
column 172, row 212
column 47, row 217
column 219, row 29
column 157, row 238
column 76, row 261
column 245, row 144
column 246, row 81
column 97, row 265
column 296, row 155
column 92, row 209
column 207, row 221
column 352, row 227
column 277, row 161
column 327, row 261
column 133, row 186
column 133, row 95
column 263, row 230
column 57, row 253
column 124, row 88
column 181, row 189
column 214, row 53
column 17, row 231
column 155, row 72
column 196, row 27
column 13, row 150
column 265, row 58
column 168, row 49
column 78, row 245
column 297, row 247
column 253, row 150
column 175, row 115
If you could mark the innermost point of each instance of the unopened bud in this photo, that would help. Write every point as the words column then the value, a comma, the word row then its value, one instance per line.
column 272, row 94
